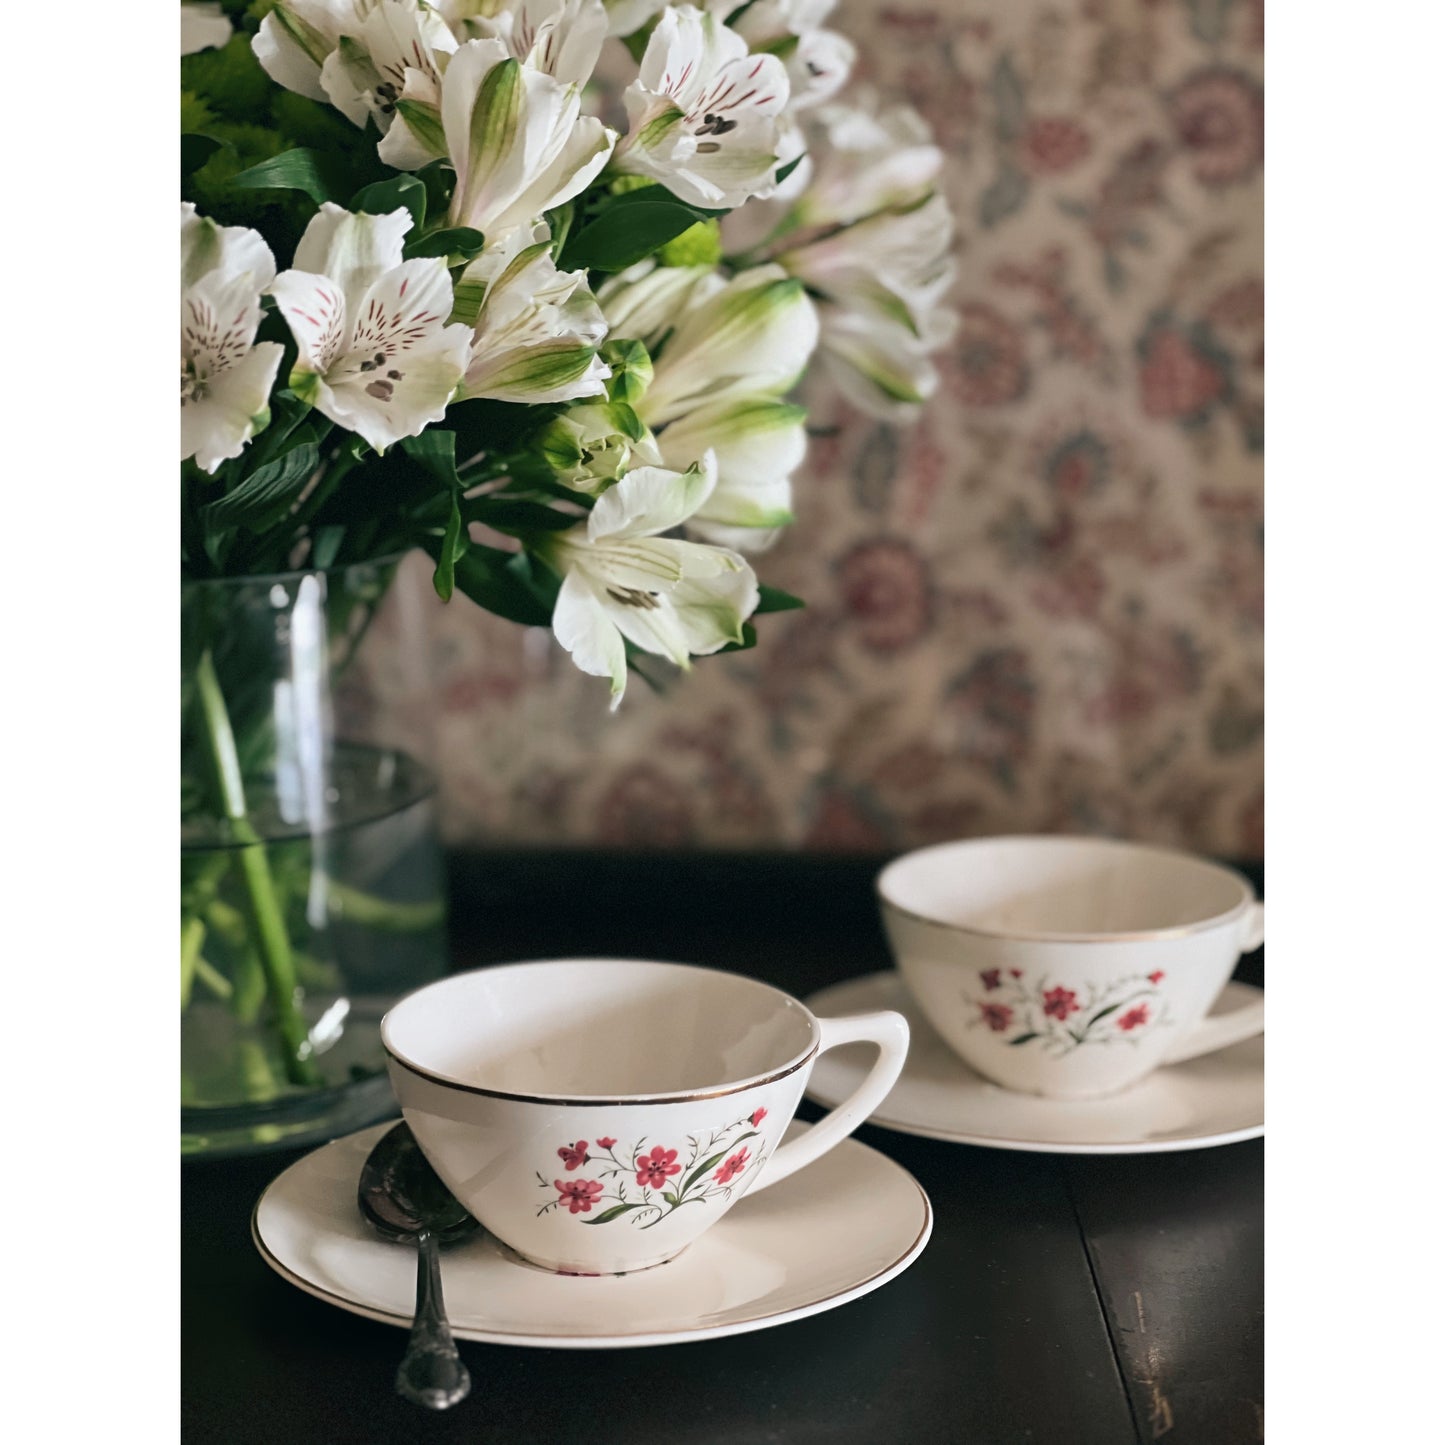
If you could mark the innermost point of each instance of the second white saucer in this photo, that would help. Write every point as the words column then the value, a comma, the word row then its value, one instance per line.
column 824, row 1236
column 1215, row 1099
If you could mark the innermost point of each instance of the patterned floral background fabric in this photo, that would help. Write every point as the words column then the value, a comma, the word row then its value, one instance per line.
column 1041, row 608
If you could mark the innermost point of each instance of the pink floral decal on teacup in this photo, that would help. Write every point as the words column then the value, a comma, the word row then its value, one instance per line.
column 574, row 1155
column 649, row 1181
column 1059, row 1019
column 579, row 1195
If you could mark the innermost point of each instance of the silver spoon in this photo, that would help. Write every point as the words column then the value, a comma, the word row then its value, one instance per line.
column 400, row 1194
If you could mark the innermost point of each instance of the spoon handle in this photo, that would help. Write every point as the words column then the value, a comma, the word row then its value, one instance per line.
column 431, row 1372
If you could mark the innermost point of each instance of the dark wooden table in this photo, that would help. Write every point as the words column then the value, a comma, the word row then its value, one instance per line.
column 1061, row 1299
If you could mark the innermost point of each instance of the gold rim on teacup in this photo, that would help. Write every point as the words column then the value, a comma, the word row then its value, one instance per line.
column 615, row 1100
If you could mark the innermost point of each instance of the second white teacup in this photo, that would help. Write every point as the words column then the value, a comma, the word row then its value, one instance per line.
column 598, row 1115
column 1071, row 967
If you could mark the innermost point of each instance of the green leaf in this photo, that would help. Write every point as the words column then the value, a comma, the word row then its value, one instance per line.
column 783, row 172
column 1102, row 1014
column 438, row 178
column 382, row 197
column 288, row 411
column 559, row 224
column 454, row 241
column 318, row 175
column 326, row 545
column 268, row 493
column 1022, row 1039
column 628, row 229
column 671, row 1198
column 196, row 150
column 443, row 578
column 774, row 599
column 501, row 582
column 613, row 1213
column 436, row 451
column 518, row 518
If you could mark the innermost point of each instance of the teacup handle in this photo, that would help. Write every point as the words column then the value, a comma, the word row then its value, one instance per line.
column 1221, row 1030
column 890, row 1032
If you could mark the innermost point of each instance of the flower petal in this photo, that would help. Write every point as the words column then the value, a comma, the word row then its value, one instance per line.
column 650, row 500
column 710, row 614
column 582, row 625
column 219, row 424
column 352, row 249
column 587, row 147
column 548, row 371
column 644, row 302
column 295, row 38
column 402, row 364
column 207, row 247
column 753, row 337
column 314, row 307
column 652, row 625
column 876, row 362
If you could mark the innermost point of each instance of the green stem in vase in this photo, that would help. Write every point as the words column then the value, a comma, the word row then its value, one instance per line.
column 213, row 979
column 272, row 945
column 351, row 905
column 193, row 933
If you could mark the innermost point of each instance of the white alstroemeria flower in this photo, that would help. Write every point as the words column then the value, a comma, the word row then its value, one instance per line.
column 624, row 17
column 724, row 353
column 561, row 37
column 897, row 262
column 704, row 115
column 516, row 137
column 645, row 301
column 868, row 158
column 818, row 61
column 461, row 14
column 226, row 374
column 622, row 579
column 203, row 26
column 378, row 60
column 296, row 36
column 375, row 352
column 758, row 443
column 396, row 54
column 535, row 329
column 751, row 337
column 589, row 447
column 880, row 364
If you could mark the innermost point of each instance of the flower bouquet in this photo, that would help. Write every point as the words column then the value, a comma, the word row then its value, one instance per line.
column 525, row 284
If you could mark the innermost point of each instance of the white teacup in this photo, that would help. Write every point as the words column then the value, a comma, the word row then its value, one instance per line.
column 598, row 1115
column 1071, row 967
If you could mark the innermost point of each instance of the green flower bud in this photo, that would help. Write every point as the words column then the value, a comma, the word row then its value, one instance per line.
column 631, row 370
column 699, row 245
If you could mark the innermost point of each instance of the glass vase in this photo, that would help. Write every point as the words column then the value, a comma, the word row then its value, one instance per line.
column 311, row 871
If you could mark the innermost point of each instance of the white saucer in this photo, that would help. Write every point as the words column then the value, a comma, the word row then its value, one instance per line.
column 830, row 1233
column 1216, row 1099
